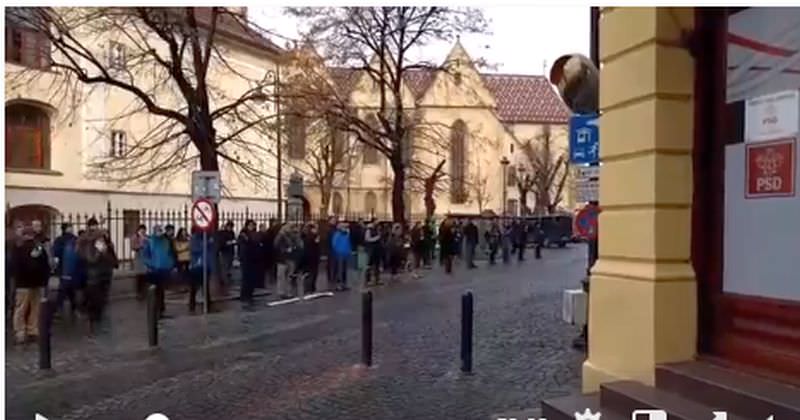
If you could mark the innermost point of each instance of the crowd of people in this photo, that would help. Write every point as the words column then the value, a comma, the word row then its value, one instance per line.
column 83, row 262
column 285, row 257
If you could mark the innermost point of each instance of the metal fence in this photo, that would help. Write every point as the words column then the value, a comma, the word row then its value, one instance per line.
column 123, row 223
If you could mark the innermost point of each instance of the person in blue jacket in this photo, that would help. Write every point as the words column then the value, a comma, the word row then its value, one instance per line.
column 196, row 265
column 341, row 249
column 160, row 261
column 65, row 252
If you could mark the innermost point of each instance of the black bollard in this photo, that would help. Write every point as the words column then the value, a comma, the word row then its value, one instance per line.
column 44, row 334
column 538, row 251
column 366, row 328
column 152, row 316
column 467, row 304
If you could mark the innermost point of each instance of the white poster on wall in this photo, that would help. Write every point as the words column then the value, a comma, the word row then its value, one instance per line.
column 772, row 116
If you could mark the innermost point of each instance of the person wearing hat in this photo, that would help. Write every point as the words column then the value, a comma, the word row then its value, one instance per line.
column 96, row 251
column 31, row 270
column 65, row 255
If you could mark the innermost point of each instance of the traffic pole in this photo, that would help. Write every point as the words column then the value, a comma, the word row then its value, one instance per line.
column 152, row 316
column 467, row 310
column 45, row 359
column 206, row 296
column 366, row 328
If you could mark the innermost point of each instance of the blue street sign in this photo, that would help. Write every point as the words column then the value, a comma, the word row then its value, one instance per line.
column 584, row 146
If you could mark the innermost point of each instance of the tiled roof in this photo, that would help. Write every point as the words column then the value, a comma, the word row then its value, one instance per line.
column 235, row 27
column 524, row 98
column 519, row 98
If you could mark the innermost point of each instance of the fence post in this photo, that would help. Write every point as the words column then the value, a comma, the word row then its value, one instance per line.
column 108, row 217
column 467, row 306
column 44, row 333
column 152, row 316
column 366, row 328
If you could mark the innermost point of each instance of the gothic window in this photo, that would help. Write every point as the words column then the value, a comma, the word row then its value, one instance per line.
column 27, row 137
column 370, row 203
column 338, row 203
column 371, row 153
column 458, row 162
column 297, row 136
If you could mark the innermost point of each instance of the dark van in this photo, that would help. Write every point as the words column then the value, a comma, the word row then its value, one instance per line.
column 550, row 230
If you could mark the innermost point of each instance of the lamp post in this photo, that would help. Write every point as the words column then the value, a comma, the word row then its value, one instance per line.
column 274, row 76
column 504, row 163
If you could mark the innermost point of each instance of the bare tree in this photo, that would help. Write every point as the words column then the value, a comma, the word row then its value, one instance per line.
column 548, row 173
column 168, row 61
column 377, row 42
column 479, row 188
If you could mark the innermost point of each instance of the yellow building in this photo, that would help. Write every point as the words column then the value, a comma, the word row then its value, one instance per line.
column 52, row 139
column 695, row 296
column 496, row 114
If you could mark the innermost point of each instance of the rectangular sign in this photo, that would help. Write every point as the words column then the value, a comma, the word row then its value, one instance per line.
column 587, row 172
column 206, row 184
column 770, row 169
column 586, row 191
column 584, row 146
column 772, row 116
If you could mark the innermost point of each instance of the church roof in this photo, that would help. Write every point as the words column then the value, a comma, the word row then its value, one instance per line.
column 520, row 98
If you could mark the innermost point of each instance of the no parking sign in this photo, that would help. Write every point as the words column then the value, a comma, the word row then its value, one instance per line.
column 586, row 221
column 204, row 216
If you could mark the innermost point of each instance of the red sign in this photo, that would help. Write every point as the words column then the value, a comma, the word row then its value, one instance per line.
column 770, row 170
column 586, row 221
column 204, row 215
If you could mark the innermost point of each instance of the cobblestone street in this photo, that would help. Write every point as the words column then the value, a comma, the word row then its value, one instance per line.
column 300, row 361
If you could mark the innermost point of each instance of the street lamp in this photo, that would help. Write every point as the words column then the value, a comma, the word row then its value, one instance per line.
column 274, row 76
column 504, row 162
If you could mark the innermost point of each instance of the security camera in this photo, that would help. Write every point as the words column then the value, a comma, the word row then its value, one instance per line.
column 577, row 79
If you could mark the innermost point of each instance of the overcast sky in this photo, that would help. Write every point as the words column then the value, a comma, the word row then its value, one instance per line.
column 522, row 38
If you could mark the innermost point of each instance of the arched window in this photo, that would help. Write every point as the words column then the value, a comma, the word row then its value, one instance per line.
column 370, row 203
column 338, row 203
column 458, row 162
column 27, row 137
column 370, row 152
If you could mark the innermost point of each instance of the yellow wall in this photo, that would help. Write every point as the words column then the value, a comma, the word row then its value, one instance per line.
column 80, row 130
column 642, row 308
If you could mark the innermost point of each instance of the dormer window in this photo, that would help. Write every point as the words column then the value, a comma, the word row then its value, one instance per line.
column 457, row 78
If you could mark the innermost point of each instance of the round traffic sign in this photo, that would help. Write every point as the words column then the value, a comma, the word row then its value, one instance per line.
column 586, row 221
column 204, row 216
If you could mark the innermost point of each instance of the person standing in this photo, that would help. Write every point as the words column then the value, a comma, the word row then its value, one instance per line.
column 471, row 238
column 493, row 238
column 138, row 243
column 447, row 244
column 356, row 239
column 396, row 249
column 269, row 255
column 520, row 238
column 417, row 244
column 507, row 242
column 312, row 254
column 97, row 252
column 330, row 230
column 196, row 266
column 341, row 250
column 373, row 247
column 160, row 262
column 226, row 246
column 31, row 267
column 65, row 254
column 183, row 256
column 13, row 238
column 429, row 242
column 249, row 260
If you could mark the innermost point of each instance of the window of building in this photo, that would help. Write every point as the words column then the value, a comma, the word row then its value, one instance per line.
column 339, row 141
column 25, row 45
column 131, row 219
column 512, row 176
column 119, row 143
column 118, row 56
column 297, row 136
column 370, row 203
column 458, row 162
column 338, row 203
column 27, row 137
column 512, row 207
column 370, row 152
column 511, row 148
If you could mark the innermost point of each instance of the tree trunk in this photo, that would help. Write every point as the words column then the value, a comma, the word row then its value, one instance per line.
column 325, row 201
column 523, row 200
column 430, row 203
column 398, row 187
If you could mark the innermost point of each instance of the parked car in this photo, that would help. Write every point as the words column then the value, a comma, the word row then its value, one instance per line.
column 550, row 230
